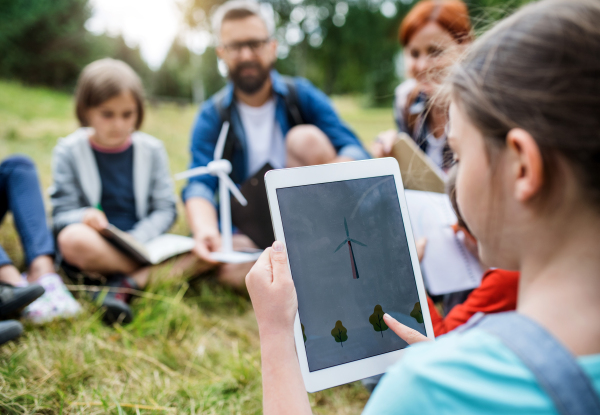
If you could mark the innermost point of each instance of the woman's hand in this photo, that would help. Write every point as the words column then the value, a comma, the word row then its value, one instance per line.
column 421, row 244
column 272, row 292
column 95, row 219
column 407, row 334
column 382, row 147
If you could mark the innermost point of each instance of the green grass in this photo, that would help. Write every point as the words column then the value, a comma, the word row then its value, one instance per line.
column 193, row 347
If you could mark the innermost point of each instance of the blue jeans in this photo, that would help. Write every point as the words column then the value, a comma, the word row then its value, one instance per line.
column 20, row 194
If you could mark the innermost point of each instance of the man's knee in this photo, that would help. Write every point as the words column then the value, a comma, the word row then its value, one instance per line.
column 303, row 136
column 310, row 144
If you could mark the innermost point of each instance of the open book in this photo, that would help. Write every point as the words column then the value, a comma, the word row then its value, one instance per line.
column 447, row 266
column 418, row 171
column 153, row 252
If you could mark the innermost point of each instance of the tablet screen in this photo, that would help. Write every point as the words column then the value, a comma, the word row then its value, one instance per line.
column 350, row 263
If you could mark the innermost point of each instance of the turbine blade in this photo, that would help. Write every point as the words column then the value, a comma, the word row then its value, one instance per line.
column 197, row 171
column 340, row 247
column 225, row 180
column 356, row 242
column 221, row 141
column 346, row 226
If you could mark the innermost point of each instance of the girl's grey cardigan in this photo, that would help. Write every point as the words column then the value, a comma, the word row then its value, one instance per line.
column 77, row 184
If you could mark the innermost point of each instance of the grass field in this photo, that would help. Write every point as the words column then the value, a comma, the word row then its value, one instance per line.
column 193, row 347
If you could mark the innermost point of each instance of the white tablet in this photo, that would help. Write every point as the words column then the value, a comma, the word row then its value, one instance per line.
column 352, row 256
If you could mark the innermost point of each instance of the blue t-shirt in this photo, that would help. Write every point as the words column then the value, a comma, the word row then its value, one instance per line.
column 465, row 373
column 118, row 199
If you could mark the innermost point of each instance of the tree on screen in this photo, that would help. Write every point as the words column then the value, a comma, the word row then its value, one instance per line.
column 303, row 334
column 340, row 333
column 416, row 313
column 376, row 319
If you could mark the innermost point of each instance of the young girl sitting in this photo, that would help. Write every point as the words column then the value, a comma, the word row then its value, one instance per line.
column 525, row 131
column 108, row 172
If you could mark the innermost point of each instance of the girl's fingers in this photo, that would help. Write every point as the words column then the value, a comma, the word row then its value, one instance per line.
column 407, row 334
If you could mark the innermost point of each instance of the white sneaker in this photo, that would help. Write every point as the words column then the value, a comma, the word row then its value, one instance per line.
column 57, row 301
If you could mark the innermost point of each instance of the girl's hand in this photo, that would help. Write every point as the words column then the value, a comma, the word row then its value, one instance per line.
column 407, row 334
column 272, row 292
column 95, row 219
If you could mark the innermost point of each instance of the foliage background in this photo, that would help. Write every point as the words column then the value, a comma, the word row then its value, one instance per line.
column 343, row 47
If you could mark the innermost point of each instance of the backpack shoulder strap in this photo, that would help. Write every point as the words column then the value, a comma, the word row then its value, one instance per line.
column 292, row 103
column 554, row 367
column 225, row 115
column 219, row 100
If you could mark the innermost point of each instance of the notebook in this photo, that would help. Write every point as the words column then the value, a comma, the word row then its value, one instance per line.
column 417, row 169
column 154, row 251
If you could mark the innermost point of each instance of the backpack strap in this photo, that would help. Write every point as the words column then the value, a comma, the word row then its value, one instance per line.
column 225, row 114
column 292, row 103
column 554, row 367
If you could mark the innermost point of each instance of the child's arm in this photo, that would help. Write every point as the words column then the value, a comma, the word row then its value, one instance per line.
column 66, row 195
column 161, row 201
column 275, row 304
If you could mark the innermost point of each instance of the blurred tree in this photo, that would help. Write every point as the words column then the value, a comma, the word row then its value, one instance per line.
column 45, row 42
column 102, row 46
column 174, row 78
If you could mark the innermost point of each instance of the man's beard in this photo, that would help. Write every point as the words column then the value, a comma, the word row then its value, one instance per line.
column 249, row 84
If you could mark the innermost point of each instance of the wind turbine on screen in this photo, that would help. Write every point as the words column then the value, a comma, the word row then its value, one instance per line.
column 221, row 168
column 350, row 242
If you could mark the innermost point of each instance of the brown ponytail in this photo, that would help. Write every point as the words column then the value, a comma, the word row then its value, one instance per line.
column 539, row 70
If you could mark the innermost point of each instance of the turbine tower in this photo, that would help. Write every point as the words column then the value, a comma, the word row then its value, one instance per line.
column 349, row 242
column 221, row 168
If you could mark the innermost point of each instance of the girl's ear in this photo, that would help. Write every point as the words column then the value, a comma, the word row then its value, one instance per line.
column 526, row 164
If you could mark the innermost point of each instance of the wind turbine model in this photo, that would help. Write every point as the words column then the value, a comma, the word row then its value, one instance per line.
column 349, row 242
column 221, row 168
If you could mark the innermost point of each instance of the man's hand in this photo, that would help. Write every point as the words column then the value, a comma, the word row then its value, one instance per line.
column 382, row 147
column 95, row 219
column 207, row 240
column 202, row 218
column 273, row 294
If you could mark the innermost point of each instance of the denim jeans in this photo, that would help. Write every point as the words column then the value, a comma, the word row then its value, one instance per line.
column 20, row 194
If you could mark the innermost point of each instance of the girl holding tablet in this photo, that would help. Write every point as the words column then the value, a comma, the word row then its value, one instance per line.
column 525, row 129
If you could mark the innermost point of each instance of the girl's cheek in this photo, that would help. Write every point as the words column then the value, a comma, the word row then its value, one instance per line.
column 470, row 192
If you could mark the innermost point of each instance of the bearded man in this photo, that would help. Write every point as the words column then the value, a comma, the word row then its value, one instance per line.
column 275, row 121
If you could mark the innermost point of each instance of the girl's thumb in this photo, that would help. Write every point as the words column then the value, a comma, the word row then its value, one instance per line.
column 278, row 258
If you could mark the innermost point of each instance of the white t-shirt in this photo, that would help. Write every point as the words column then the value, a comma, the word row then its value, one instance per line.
column 435, row 149
column 263, row 136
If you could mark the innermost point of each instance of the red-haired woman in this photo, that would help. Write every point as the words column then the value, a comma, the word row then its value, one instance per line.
column 432, row 34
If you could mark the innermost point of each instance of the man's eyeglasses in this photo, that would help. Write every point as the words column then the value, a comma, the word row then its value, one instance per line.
column 254, row 46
